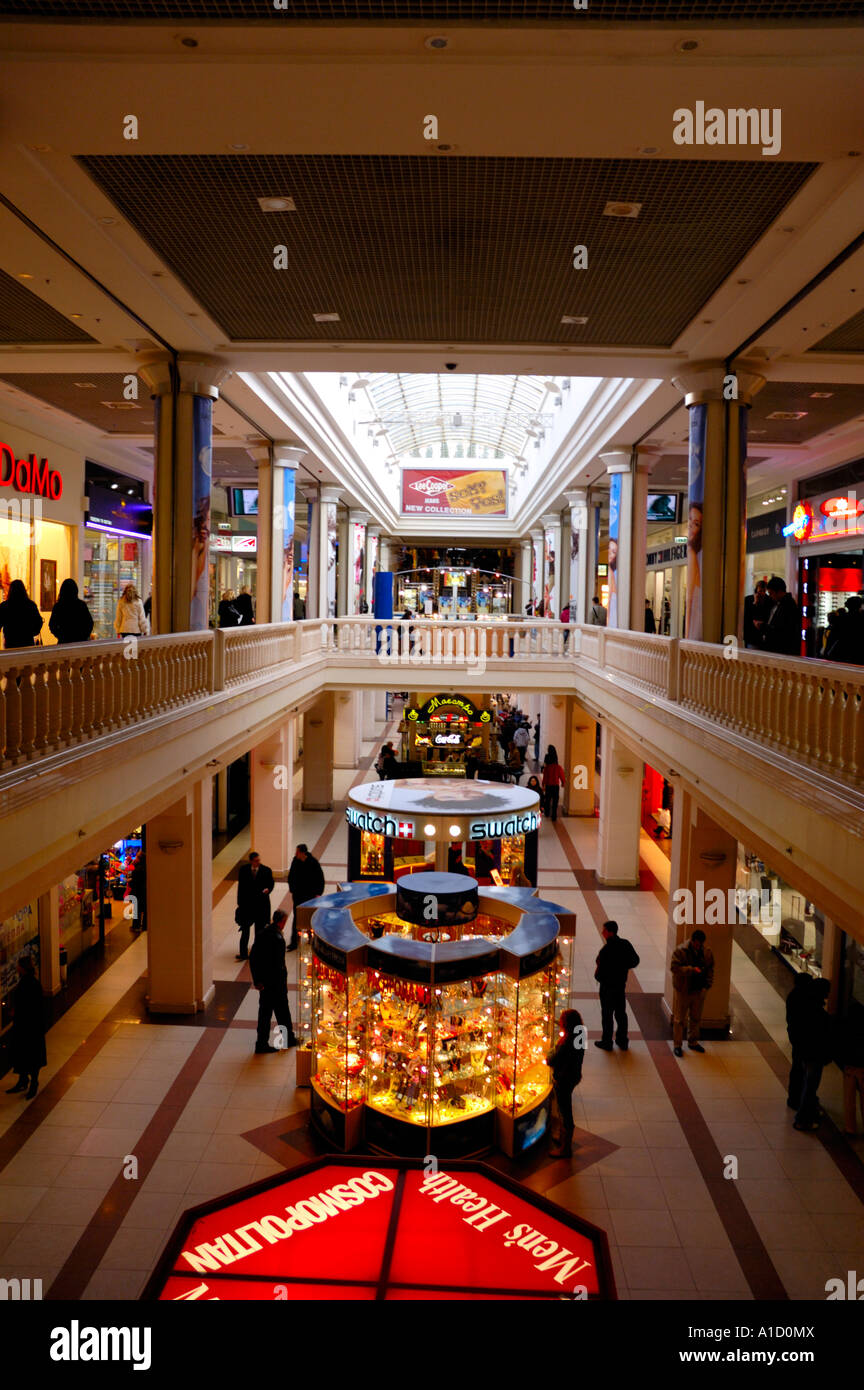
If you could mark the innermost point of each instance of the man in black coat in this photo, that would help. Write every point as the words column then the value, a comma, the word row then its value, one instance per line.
column 270, row 978
column 614, row 962
column 815, row 1048
column 27, row 1040
column 782, row 630
column 305, row 882
column 254, row 886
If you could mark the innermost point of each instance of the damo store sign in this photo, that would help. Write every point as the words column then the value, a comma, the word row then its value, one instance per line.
column 29, row 475
column 383, row 1231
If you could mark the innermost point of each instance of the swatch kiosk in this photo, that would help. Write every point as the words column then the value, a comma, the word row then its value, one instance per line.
column 412, row 824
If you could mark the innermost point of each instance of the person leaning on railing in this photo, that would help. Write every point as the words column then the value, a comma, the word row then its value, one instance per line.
column 130, row 620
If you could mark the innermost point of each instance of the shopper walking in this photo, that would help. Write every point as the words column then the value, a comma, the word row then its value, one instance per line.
column 137, row 893
column 566, row 1063
column 254, row 886
column 552, row 781
column 27, row 1035
column 305, row 882
column 520, row 738
column 852, row 1061
column 515, row 763
column 614, row 962
column 71, row 619
column 799, row 1002
column 20, row 619
column 815, row 1048
column 270, row 977
column 782, row 630
column 229, row 615
column 598, row 615
column 692, row 967
column 130, row 620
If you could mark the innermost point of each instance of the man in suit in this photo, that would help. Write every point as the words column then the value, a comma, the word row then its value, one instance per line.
column 616, row 959
column 305, row 882
column 270, row 978
column 254, row 886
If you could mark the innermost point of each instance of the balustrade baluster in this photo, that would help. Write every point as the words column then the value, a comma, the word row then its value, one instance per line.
column 53, row 702
column 4, row 760
column 13, row 715
column 28, row 713
column 41, row 673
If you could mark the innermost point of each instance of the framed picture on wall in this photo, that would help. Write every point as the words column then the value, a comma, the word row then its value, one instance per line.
column 47, row 584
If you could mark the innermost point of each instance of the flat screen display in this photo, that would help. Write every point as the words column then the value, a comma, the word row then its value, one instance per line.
column 112, row 509
column 663, row 506
column 244, row 501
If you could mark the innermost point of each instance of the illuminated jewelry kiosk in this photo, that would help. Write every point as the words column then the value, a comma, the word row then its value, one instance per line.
column 417, row 823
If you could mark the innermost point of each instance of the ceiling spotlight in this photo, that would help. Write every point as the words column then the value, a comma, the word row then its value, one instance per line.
column 686, row 45
column 326, row 318
column 360, row 384
column 552, row 387
column 277, row 204
column 107, row 221
column 429, row 830
column 114, row 487
column 238, row 147
column 436, row 41
column 622, row 209
column 22, row 275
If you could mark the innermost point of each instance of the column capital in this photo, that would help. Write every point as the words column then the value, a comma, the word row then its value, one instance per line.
column 154, row 370
column 373, row 528
column 616, row 460
column 701, row 381
column 358, row 517
column 749, row 371
column 576, row 497
column 287, row 454
column 259, row 454
column 536, row 534
column 551, row 519
column 331, row 494
column 201, row 376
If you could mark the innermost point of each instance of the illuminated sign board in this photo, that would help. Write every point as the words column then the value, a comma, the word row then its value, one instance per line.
column 29, row 475
column 841, row 507
column 454, row 492
column 522, row 823
column 381, row 1229
column 391, row 826
column 827, row 518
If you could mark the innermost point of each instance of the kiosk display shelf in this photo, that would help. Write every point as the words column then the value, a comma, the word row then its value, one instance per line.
column 429, row 1033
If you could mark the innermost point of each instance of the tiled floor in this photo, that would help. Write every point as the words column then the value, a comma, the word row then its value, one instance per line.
column 708, row 1193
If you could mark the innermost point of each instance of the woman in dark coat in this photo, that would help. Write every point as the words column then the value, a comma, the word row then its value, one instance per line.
column 70, row 619
column 566, row 1063
column 27, row 1042
column 20, row 619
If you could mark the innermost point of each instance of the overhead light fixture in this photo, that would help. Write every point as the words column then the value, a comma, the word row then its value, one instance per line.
column 130, row 491
column 436, row 42
column 85, row 385
column 22, row 275
column 326, row 318
column 821, row 395
column 622, row 209
column 114, row 487
column 578, row 319
column 552, row 387
column 787, row 415
column 277, row 204
column 360, row 384
column 76, row 316
column 238, row 147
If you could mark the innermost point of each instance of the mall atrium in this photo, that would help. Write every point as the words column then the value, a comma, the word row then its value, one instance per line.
column 447, row 417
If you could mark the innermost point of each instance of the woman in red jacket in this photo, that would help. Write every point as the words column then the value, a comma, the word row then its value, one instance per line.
column 553, row 781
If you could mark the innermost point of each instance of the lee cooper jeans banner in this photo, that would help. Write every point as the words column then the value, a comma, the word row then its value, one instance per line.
column 696, row 495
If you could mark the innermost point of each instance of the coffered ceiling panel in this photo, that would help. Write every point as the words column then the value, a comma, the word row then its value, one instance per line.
column 95, row 397
column 25, row 318
column 500, row 11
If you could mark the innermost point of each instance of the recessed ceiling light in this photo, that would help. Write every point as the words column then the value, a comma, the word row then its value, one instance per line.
column 114, row 487
column 821, row 395
column 277, row 204
column 686, row 45
column 648, row 149
column 22, row 275
column 238, row 147
column 76, row 316
column 622, row 209
column 573, row 319
column 107, row 221
column 86, row 385
column 786, row 415
column 326, row 318
column 436, row 41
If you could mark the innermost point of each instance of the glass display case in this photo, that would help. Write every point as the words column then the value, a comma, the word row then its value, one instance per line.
column 428, row 1039
column 372, row 855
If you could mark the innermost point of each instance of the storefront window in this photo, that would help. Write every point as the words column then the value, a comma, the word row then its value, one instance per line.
column 789, row 922
column 110, row 563
column 19, row 935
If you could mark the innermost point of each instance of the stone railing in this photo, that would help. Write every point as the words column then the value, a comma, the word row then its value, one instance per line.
column 53, row 698
column 56, row 698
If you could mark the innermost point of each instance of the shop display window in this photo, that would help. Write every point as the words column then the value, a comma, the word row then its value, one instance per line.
column 372, row 855
column 399, row 1048
column 463, row 1050
column 19, row 935
column 513, row 859
column 526, row 1026
column 339, row 1035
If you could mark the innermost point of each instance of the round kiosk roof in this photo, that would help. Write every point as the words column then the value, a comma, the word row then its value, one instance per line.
column 455, row 808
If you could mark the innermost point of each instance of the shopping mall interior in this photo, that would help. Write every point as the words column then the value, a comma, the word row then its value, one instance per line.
column 461, row 375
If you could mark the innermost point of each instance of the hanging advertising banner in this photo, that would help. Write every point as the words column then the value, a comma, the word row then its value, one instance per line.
column 695, row 503
column 288, row 502
column 202, row 438
column 612, row 562
column 358, row 548
column 549, row 574
column 454, row 492
column 332, row 556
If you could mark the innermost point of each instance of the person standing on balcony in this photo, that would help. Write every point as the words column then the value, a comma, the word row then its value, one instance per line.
column 781, row 632
column 299, row 609
column 70, row 620
column 27, row 1038
column 553, row 781
column 254, row 886
column 243, row 604
column 757, row 606
column 650, row 624
column 229, row 615
column 692, row 967
column 130, row 620
column 270, row 978
column 598, row 616
column 305, row 882
column 20, row 619
column 614, row 962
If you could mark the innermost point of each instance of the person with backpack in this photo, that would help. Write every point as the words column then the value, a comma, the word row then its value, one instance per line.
column 614, row 962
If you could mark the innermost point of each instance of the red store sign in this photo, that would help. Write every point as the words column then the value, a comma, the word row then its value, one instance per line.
column 29, row 475
column 381, row 1229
